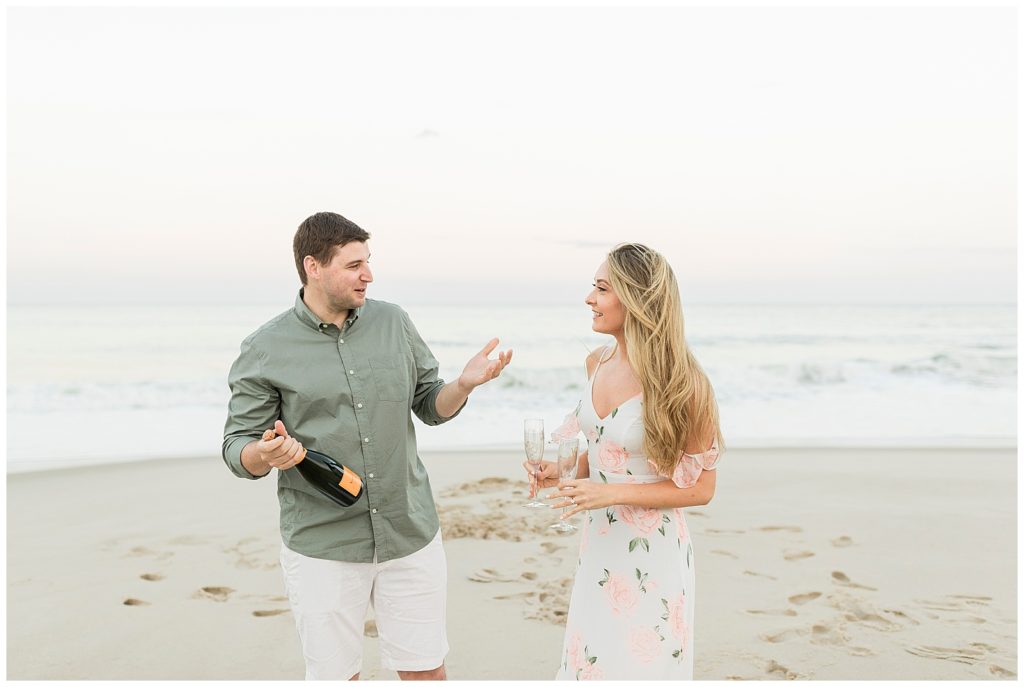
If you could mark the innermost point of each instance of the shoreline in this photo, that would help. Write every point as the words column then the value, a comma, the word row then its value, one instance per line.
column 965, row 444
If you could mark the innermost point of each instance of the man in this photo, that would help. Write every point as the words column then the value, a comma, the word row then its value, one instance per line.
column 339, row 373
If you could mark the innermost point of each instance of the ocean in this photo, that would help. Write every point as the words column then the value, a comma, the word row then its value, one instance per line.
column 103, row 384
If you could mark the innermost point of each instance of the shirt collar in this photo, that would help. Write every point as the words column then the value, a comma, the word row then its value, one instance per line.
column 309, row 317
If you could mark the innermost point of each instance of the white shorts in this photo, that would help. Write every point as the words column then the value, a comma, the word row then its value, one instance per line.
column 329, row 601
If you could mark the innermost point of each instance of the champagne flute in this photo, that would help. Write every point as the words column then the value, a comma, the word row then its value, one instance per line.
column 533, row 440
column 568, row 450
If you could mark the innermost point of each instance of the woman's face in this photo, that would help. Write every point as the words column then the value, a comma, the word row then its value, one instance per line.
column 609, row 314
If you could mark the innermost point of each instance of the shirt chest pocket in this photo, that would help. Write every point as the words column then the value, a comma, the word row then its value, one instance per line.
column 391, row 377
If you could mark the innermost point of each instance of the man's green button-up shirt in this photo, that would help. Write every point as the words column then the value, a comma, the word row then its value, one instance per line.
column 347, row 393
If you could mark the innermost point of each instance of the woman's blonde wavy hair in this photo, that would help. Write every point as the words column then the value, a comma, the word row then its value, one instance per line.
column 679, row 407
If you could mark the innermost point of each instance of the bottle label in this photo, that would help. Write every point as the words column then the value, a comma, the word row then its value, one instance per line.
column 350, row 482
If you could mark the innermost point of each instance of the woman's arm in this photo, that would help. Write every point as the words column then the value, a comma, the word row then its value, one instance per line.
column 590, row 495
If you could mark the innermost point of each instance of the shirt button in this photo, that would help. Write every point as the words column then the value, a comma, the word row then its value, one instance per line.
column 359, row 405
column 341, row 340
column 366, row 440
column 371, row 475
column 374, row 510
column 351, row 372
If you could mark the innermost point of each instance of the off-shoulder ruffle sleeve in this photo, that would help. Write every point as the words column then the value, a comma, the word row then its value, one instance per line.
column 690, row 466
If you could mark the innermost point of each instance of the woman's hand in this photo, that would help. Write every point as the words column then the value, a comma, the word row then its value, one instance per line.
column 582, row 494
column 546, row 476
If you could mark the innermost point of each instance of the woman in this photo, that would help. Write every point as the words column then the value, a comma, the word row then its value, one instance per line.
column 651, row 421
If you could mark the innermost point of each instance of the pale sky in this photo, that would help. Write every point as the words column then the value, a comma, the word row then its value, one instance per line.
column 823, row 155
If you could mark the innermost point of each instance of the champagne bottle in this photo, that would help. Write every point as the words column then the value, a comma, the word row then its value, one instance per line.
column 332, row 479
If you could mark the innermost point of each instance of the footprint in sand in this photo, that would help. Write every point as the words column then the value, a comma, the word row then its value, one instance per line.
column 370, row 628
column 247, row 554
column 797, row 555
column 772, row 611
column 826, row 635
column 842, row 542
column 551, row 603
column 900, row 615
column 529, row 575
column 495, row 523
column 959, row 604
column 144, row 551
column 800, row 599
column 135, row 602
column 960, row 655
column 1001, row 672
column 973, row 600
column 968, row 619
column 714, row 531
column 521, row 595
column 489, row 575
column 550, row 546
column 858, row 611
column 529, row 559
column 151, row 577
column 697, row 513
column 214, row 593
column 779, row 528
column 840, row 578
column 781, row 636
column 821, row 635
column 267, row 614
column 757, row 574
column 720, row 552
column 482, row 486
column 776, row 669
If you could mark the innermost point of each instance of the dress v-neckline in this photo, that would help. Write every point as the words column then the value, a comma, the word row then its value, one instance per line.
column 590, row 394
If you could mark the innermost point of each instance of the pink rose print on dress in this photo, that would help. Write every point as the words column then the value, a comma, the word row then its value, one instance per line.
column 709, row 459
column 677, row 618
column 644, row 643
column 686, row 473
column 591, row 435
column 613, row 457
column 684, row 534
column 590, row 672
column 573, row 653
column 643, row 520
column 622, row 594
column 568, row 429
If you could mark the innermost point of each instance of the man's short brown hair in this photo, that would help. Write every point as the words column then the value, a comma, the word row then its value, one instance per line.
column 319, row 234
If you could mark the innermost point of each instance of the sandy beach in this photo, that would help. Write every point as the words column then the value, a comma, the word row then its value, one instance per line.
column 811, row 564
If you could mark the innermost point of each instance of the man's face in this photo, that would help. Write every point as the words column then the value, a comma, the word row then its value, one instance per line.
column 343, row 280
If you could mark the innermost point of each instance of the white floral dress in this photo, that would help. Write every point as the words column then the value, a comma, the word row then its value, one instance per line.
column 631, row 611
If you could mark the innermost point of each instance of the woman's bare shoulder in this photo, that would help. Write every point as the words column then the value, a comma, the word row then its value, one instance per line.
column 592, row 358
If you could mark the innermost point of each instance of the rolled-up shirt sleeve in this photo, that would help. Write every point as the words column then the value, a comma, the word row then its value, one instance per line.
column 254, row 406
column 428, row 384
